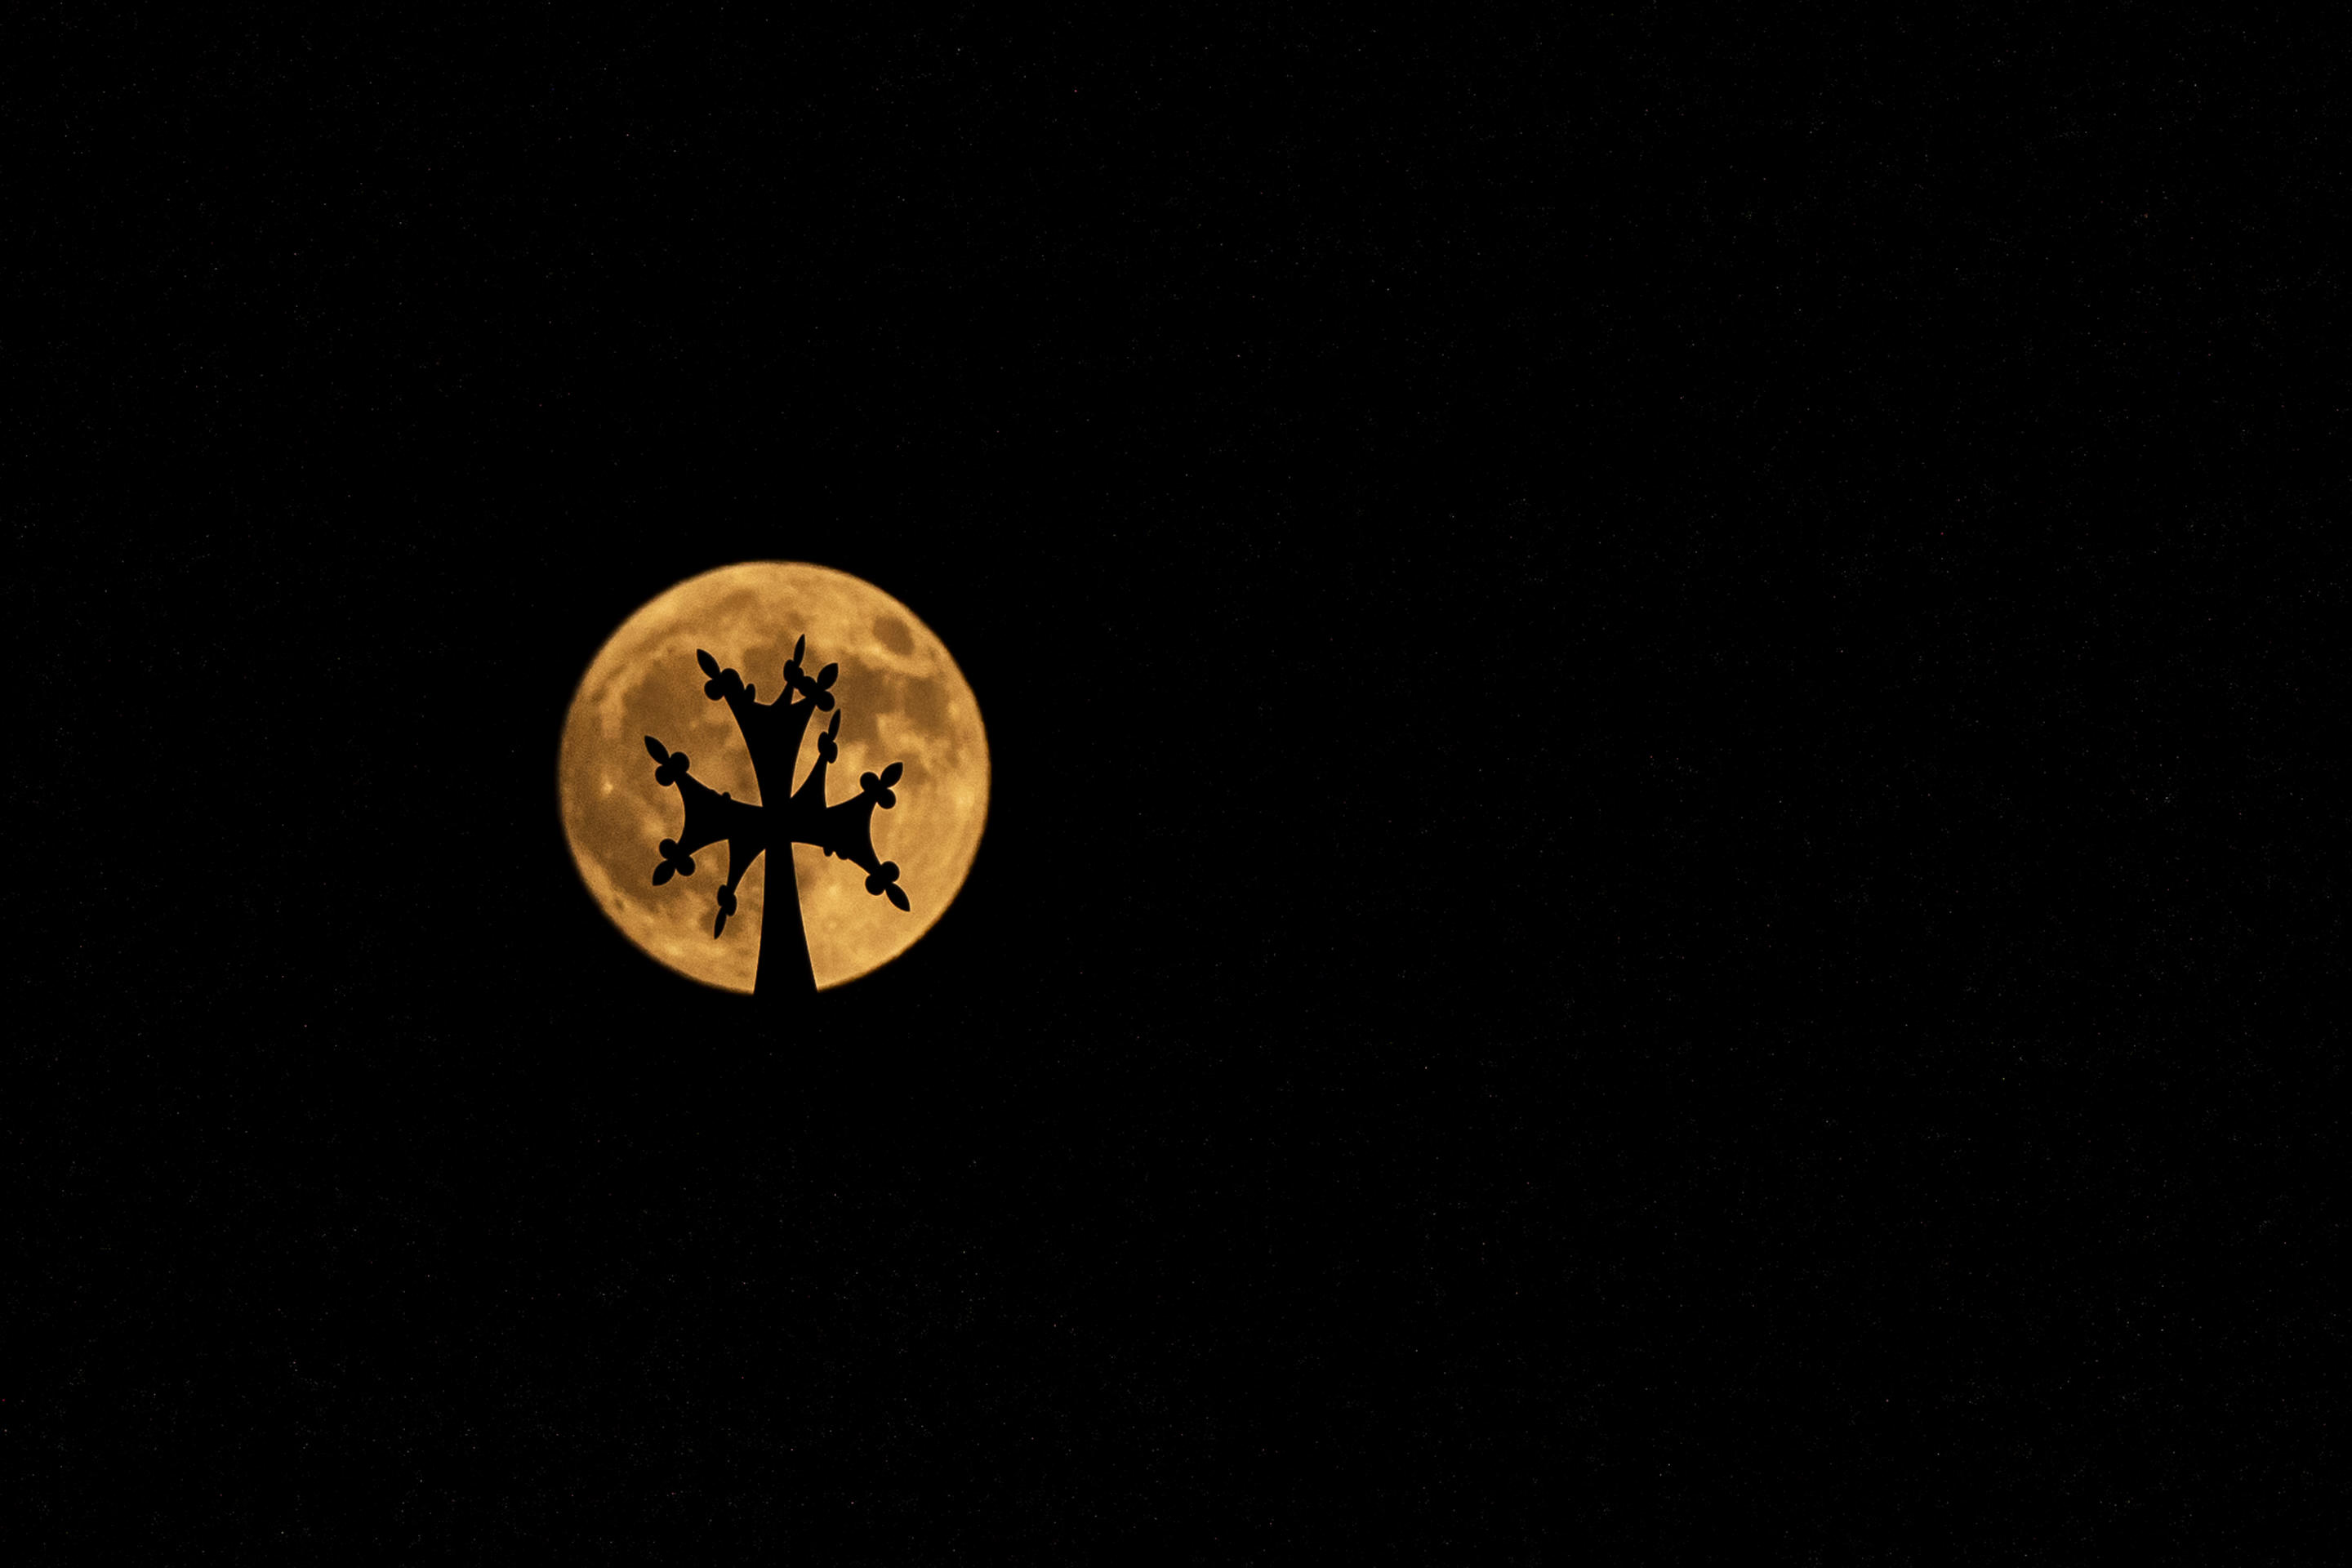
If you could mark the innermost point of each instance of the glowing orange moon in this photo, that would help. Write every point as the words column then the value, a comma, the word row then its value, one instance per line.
column 902, row 699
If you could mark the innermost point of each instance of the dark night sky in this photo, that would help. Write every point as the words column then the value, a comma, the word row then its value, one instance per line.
column 1656, row 699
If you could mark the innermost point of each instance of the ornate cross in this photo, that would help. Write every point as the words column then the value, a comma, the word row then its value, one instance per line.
column 773, row 733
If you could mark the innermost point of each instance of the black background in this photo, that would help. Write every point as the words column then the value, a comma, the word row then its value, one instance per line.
column 1655, row 703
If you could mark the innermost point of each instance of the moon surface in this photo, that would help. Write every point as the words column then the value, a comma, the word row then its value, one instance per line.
column 901, row 698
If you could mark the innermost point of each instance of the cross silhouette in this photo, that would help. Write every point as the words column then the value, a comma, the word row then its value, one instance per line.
column 772, row 732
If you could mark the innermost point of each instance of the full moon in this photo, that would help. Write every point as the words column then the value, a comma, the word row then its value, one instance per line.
column 902, row 699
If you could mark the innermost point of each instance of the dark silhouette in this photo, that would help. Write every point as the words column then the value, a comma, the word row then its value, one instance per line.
column 772, row 733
